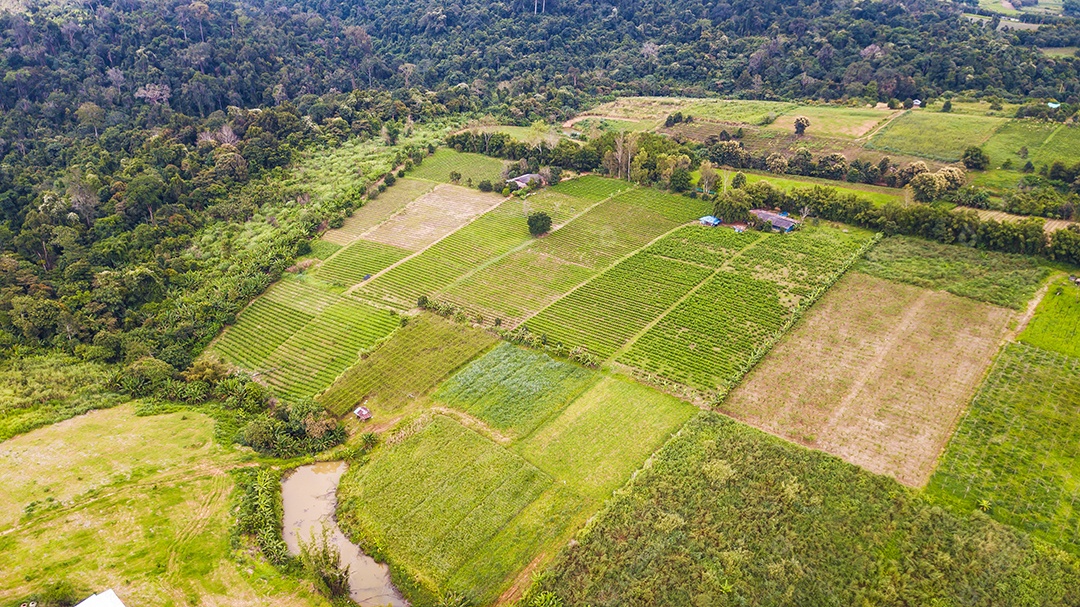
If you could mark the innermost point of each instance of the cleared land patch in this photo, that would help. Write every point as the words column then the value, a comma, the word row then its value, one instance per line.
column 737, row 111
column 378, row 210
column 406, row 367
column 934, row 134
column 834, row 121
column 1056, row 324
column 726, row 515
column 432, row 216
column 997, row 278
column 1049, row 226
column 876, row 373
column 475, row 167
column 1017, row 451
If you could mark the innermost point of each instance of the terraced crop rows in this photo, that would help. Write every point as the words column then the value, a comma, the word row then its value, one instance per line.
column 300, row 295
column 314, row 356
column 359, row 259
column 261, row 327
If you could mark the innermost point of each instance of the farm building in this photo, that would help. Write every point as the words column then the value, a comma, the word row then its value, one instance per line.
column 362, row 413
column 710, row 221
column 781, row 223
column 524, row 181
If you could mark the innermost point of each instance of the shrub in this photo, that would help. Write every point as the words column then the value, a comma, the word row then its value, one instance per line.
column 401, row 173
column 976, row 159
column 539, row 223
column 947, row 107
column 485, row 186
column 801, row 123
column 322, row 563
column 390, row 179
column 738, row 181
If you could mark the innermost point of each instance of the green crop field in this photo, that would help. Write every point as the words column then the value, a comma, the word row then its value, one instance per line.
column 1017, row 452
column 349, row 266
column 260, row 328
column 604, row 435
column 997, row 278
column 514, row 389
column 590, row 188
column 322, row 249
column 406, row 367
column 1056, row 324
column 878, row 195
column 1006, row 143
column 934, row 135
column 701, row 245
column 444, row 161
column 731, row 110
column 833, row 121
column 728, row 515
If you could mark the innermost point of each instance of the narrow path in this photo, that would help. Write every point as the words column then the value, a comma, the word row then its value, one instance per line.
column 1026, row 316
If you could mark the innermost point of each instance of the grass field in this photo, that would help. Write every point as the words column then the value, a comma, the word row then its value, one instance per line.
column 737, row 111
column 444, row 161
column 997, row 278
column 1060, row 51
column 876, row 194
column 1018, row 448
column 1056, row 324
column 833, row 121
column 38, row 390
column 934, row 135
column 349, row 266
column 379, row 210
column 405, row 367
column 727, row 515
column 514, row 389
column 876, row 373
column 137, row 504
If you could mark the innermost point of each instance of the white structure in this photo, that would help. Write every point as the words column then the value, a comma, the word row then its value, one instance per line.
column 105, row 599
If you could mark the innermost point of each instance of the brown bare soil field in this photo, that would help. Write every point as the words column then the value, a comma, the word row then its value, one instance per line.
column 1052, row 225
column 432, row 216
column 877, row 373
column 379, row 210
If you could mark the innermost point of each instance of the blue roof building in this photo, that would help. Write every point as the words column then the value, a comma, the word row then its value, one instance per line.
column 710, row 221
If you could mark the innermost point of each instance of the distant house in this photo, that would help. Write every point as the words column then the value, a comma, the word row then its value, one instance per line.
column 104, row 599
column 917, row 103
column 362, row 413
column 779, row 222
column 710, row 221
column 1053, row 105
column 525, row 180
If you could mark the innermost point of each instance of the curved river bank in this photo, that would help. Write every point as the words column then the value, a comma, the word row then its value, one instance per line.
column 309, row 496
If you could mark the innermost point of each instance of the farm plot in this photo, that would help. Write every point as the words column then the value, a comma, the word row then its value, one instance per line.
column 514, row 389
column 309, row 360
column 432, row 216
column 606, row 312
column 472, row 167
column 301, row 295
column 593, row 445
column 260, row 329
column 876, row 373
column 701, row 245
column 935, row 135
column 378, row 210
column 322, row 249
column 738, row 111
column 1015, row 135
column 997, row 278
column 590, row 188
column 1056, row 324
column 349, row 266
column 833, row 121
column 727, row 515
column 406, row 367
column 1017, row 451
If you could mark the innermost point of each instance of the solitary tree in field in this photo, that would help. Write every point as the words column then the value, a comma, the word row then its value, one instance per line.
column 539, row 223
column 801, row 123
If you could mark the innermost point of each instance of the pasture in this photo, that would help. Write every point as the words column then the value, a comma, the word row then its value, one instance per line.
column 405, row 367
column 1056, row 324
column 997, row 278
column 432, row 216
column 1016, row 453
column 934, row 135
column 138, row 504
column 727, row 515
column 876, row 373
column 378, row 210
column 473, row 168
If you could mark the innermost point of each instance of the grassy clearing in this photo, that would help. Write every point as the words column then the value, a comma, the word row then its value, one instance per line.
column 1060, row 51
column 37, row 391
column 727, row 515
column 738, row 111
column 357, row 260
column 833, row 121
column 406, row 367
column 1018, row 448
column 1056, row 324
column 997, row 278
column 603, row 436
column 876, row 373
column 138, row 504
column 444, row 161
column 934, row 135
column 514, row 389
column 876, row 194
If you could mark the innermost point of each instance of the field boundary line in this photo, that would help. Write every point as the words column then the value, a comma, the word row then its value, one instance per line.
column 633, row 339
column 361, row 235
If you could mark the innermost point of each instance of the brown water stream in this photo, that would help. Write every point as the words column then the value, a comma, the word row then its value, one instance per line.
column 309, row 496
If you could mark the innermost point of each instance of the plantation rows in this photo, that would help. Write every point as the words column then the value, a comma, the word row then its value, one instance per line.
column 262, row 326
column 1017, row 452
column 300, row 296
column 675, row 208
column 590, row 188
column 515, row 389
column 314, row 356
column 359, row 259
column 406, row 366
column 701, row 245
column 606, row 312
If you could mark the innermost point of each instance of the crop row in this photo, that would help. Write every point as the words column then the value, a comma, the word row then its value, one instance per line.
column 606, row 312
column 260, row 328
column 300, row 295
column 590, row 187
column 705, row 341
column 679, row 209
column 311, row 359
column 708, row 246
column 407, row 365
column 359, row 259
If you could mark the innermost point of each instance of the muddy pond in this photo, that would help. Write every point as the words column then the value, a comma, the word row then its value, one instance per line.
column 309, row 496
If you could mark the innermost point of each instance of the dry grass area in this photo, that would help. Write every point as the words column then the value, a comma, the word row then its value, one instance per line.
column 1052, row 225
column 379, row 210
column 877, row 373
column 433, row 216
